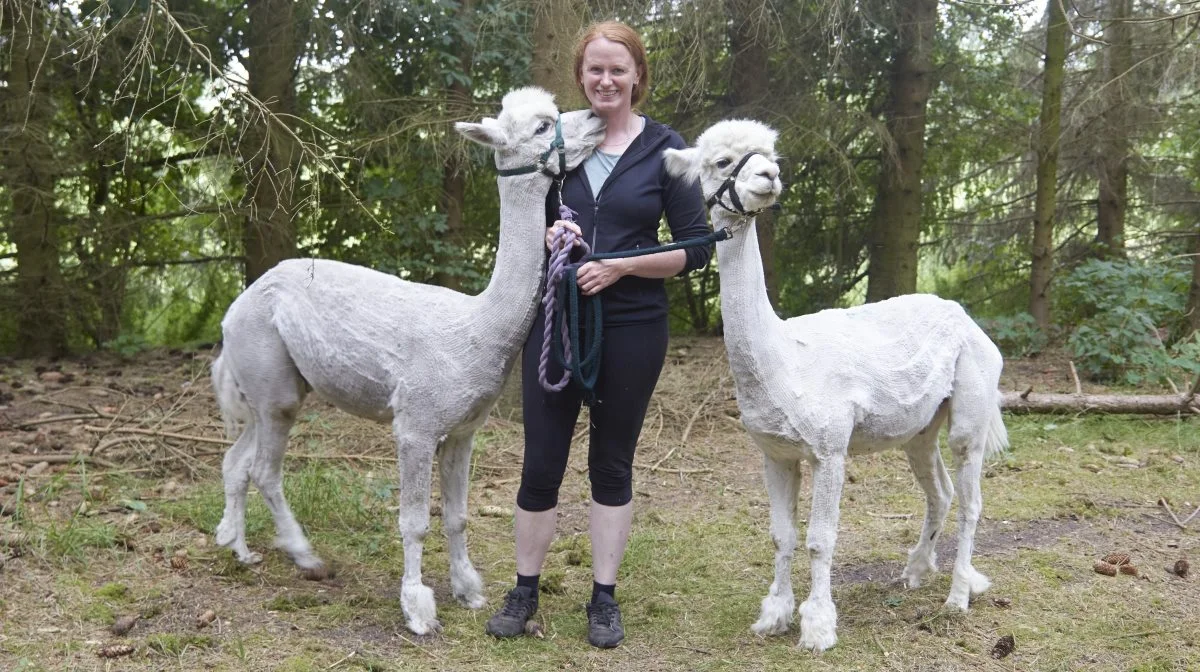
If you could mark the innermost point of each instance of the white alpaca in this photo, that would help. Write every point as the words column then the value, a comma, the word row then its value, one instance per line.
column 429, row 360
column 842, row 382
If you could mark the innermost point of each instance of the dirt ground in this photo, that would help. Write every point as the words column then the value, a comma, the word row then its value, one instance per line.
column 152, row 418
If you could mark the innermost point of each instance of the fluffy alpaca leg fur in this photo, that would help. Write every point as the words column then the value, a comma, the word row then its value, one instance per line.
column 818, row 616
column 267, row 474
column 926, row 463
column 415, row 453
column 783, row 484
column 454, row 466
column 231, row 533
column 967, row 582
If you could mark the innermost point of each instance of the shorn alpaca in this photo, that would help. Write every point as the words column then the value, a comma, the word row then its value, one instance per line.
column 842, row 382
column 427, row 359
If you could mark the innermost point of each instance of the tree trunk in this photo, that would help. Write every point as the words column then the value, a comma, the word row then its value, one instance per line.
column 896, row 221
column 749, row 91
column 1149, row 404
column 556, row 25
column 454, row 180
column 1045, row 200
column 1114, row 160
column 28, row 162
column 1193, row 303
column 269, row 152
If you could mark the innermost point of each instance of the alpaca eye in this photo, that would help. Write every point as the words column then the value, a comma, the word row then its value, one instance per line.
column 542, row 128
column 723, row 163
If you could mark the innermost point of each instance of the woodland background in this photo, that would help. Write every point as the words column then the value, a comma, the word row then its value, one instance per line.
column 1038, row 162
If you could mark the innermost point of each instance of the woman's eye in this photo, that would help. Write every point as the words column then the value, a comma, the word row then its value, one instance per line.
column 723, row 163
column 542, row 128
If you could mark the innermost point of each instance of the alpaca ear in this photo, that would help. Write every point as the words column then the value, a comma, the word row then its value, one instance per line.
column 486, row 133
column 684, row 163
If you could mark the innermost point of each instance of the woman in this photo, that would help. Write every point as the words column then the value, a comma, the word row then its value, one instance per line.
column 620, row 193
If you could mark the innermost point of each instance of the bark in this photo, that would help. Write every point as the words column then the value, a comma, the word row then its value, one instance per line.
column 269, row 152
column 896, row 220
column 556, row 26
column 749, row 91
column 454, row 180
column 28, row 164
column 1151, row 404
column 1114, row 160
column 1046, row 196
column 1193, row 303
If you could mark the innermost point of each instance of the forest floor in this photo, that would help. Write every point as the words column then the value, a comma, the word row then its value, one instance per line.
column 127, row 531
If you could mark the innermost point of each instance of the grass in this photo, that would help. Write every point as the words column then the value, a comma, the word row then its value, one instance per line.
column 698, row 563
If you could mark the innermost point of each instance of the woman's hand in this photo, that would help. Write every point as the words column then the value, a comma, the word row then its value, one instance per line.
column 563, row 224
column 594, row 276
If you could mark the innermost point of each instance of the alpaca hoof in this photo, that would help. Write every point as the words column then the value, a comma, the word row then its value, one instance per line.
column 775, row 616
column 467, row 588
column 420, row 609
column 321, row 572
column 226, row 534
column 914, row 577
column 818, row 627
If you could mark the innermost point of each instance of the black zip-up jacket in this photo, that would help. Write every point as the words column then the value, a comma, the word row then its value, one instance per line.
column 626, row 214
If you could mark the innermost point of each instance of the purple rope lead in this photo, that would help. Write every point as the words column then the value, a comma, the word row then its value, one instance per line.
column 560, row 257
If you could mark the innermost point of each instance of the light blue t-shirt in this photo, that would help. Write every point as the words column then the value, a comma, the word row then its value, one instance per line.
column 598, row 167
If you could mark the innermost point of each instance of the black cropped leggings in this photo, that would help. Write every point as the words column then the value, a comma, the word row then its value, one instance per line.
column 631, row 357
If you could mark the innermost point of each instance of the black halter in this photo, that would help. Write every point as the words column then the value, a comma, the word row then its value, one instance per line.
column 543, row 161
column 728, row 185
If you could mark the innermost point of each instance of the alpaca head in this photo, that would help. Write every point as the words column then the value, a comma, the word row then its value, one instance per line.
column 524, row 132
column 735, row 163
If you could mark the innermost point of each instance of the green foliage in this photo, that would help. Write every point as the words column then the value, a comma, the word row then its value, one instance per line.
column 1016, row 335
column 1125, row 312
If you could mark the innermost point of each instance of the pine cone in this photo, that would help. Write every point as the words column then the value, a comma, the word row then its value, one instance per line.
column 1116, row 559
column 1181, row 568
column 204, row 619
column 1105, row 569
column 1129, row 569
column 1004, row 646
column 179, row 562
column 115, row 650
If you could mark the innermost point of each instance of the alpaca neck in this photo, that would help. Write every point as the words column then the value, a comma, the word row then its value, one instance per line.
column 506, row 308
column 745, row 308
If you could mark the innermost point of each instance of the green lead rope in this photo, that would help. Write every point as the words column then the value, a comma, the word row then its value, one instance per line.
column 585, row 368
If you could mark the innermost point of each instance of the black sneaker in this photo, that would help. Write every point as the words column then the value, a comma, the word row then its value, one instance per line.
column 604, row 622
column 520, row 604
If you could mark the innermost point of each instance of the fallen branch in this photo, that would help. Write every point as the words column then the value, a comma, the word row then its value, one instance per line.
column 1075, row 377
column 1142, row 404
column 56, row 458
column 152, row 432
column 655, row 467
column 58, row 418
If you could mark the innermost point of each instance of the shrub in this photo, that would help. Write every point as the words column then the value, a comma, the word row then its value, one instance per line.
column 1124, row 312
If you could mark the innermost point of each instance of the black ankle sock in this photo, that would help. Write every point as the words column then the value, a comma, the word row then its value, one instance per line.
column 598, row 588
column 529, row 581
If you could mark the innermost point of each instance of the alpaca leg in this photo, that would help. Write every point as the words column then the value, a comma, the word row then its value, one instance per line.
column 415, row 455
column 926, row 462
column 267, row 473
column 454, row 466
column 818, row 616
column 783, row 483
column 967, row 581
column 235, row 470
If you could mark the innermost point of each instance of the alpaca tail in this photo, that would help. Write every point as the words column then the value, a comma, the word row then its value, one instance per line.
column 235, row 412
column 996, row 440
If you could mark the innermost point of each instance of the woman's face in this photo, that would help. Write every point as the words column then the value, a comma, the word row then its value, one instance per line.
column 608, row 76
